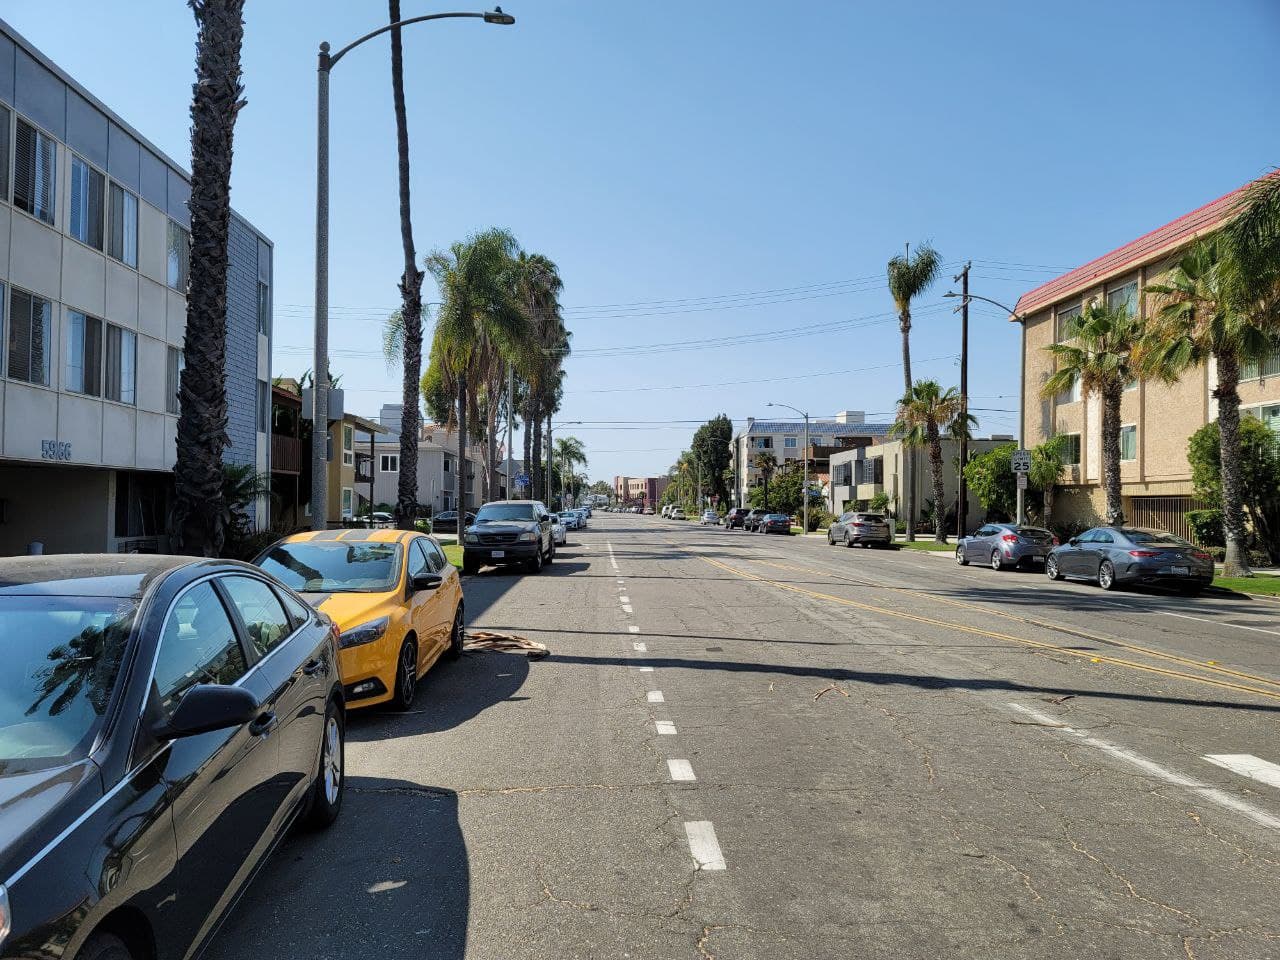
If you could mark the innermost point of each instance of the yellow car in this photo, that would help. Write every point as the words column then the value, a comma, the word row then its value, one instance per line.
column 396, row 600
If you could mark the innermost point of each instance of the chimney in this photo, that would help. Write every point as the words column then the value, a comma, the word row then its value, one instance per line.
column 851, row 416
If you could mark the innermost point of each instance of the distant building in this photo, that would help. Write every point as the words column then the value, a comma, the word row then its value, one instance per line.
column 437, row 470
column 640, row 491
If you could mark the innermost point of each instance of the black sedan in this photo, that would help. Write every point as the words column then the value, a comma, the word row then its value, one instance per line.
column 163, row 721
column 774, row 523
column 1116, row 556
column 447, row 521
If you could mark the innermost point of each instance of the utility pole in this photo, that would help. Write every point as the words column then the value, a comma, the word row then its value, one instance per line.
column 962, row 503
column 511, row 406
column 551, row 477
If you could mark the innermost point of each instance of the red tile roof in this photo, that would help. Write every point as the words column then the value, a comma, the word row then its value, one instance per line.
column 1146, row 248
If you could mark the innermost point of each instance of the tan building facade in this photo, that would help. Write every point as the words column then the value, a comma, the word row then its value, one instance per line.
column 1157, row 419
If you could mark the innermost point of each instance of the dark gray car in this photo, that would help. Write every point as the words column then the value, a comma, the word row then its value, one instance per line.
column 1115, row 556
column 1001, row 545
column 867, row 529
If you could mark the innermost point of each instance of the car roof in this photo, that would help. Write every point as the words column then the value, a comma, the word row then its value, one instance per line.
column 353, row 535
column 90, row 574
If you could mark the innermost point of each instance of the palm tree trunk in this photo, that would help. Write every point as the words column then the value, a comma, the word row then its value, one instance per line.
column 461, row 480
column 1048, row 505
column 537, row 475
column 1111, row 453
column 491, row 447
column 410, row 299
column 935, row 468
column 1236, row 561
column 908, row 485
column 528, row 442
column 196, row 522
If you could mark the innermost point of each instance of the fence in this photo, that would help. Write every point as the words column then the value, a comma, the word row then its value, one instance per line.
column 1164, row 513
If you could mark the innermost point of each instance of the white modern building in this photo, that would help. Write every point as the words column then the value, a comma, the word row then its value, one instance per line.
column 94, row 248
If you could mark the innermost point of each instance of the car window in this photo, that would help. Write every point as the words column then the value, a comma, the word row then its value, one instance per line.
column 983, row 532
column 198, row 645
column 435, row 558
column 1102, row 536
column 491, row 512
column 328, row 566
column 298, row 611
column 417, row 560
column 870, row 517
column 1153, row 537
column 260, row 611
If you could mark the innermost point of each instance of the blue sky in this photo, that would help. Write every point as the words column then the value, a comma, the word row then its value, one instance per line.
column 682, row 159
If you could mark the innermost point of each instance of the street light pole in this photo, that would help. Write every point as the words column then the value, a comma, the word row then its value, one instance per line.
column 320, row 391
column 962, row 500
column 804, row 493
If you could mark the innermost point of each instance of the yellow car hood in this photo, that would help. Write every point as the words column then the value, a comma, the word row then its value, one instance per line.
column 350, row 609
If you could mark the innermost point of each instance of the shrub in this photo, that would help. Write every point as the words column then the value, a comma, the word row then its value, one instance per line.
column 1206, row 527
column 1067, row 529
column 423, row 525
column 818, row 518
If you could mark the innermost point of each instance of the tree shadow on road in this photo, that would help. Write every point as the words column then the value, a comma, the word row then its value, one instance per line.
column 390, row 879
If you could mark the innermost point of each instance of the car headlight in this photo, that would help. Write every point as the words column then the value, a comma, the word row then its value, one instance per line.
column 528, row 536
column 470, row 538
column 364, row 633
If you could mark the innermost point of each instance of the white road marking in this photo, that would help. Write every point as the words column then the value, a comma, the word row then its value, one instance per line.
column 633, row 629
column 640, row 647
column 655, row 696
column 703, row 845
column 645, row 669
column 1213, row 795
column 665, row 727
column 1221, row 623
column 681, row 770
column 1247, row 765
column 624, row 599
column 626, row 608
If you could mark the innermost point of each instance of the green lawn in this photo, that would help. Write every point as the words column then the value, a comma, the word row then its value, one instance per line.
column 1264, row 584
column 930, row 545
column 453, row 553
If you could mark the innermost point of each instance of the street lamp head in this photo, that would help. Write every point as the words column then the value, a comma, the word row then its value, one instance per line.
column 497, row 16
column 951, row 293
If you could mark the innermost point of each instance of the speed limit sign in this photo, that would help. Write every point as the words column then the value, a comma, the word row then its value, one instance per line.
column 1021, row 461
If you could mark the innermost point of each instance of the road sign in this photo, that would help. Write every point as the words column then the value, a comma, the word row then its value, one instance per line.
column 522, row 480
column 1021, row 461
column 1022, row 481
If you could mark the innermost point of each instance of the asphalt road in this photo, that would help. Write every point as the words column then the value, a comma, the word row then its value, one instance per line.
column 756, row 747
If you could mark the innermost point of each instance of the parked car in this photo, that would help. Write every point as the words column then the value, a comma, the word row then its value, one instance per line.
column 666, row 509
column 753, row 518
column 735, row 517
column 1117, row 556
column 1003, row 545
column 559, row 533
column 508, row 532
column 447, row 521
column 379, row 519
column 709, row 517
column 396, row 600
column 164, row 721
column 568, row 518
column 865, row 529
column 677, row 513
column 774, row 523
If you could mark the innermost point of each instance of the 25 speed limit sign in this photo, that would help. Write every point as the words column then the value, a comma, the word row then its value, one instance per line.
column 1021, row 461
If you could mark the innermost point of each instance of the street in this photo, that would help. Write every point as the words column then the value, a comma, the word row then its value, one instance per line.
column 745, row 746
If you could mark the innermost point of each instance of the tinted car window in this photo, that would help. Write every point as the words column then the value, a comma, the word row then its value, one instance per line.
column 870, row 518
column 1153, row 536
column 298, row 611
column 198, row 646
column 62, row 658
column 435, row 557
column 417, row 559
column 329, row 566
column 505, row 511
column 261, row 612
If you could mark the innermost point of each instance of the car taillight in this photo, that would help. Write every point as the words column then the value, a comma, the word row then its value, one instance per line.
column 1201, row 555
column 1056, row 541
column 1010, row 538
column 1144, row 553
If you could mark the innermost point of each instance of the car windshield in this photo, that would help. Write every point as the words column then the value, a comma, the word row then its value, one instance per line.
column 335, row 566
column 776, row 516
column 498, row 512
column 62, row 657
column 1153, row 537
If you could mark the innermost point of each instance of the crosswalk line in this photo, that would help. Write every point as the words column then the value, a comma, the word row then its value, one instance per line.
column 1247, row 765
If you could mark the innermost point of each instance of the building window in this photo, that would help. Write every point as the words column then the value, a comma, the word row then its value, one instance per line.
column 84, row 354
column 1125, row 298
column 34, row 172
column 346, row 501
column 264, row 309
column 264, row 406
column 122, row 364
column 4, row 153
column 1129, row 442
column 122, row 240
column 447, row 468
column 30, row 320
column 1071, row 449
column 389, row 463
column 1260, row 370
column 178, row 256
column 348, row 445
column 1063, row 320
column 1070, row 395
column 173, row 380
column 789, row 442
column 1268, row 414
column 763, row 443
column 86, row 203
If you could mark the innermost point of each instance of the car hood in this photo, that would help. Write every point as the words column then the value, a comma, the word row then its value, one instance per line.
column 349, row 609
column 36, row 806
column 503, row 526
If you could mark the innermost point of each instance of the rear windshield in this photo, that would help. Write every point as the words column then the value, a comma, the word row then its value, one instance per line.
column 335, row 566
column 62, row 656
column 869, row 517
column 497, row 512
column 1152, row 536
column 1034, row 532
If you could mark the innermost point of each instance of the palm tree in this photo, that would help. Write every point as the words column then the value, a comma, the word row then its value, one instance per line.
column 196, row 522
column 766, row 463
column 410, row 313
column 922, row 415
column 1252, row 251
column 538, row 285
column 477, row 315
column 1101, row 353
column 1046, row 470
column 1201, row 315
column 910, row 276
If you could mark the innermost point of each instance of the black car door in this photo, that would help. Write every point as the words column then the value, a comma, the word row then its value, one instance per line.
column 226, row 784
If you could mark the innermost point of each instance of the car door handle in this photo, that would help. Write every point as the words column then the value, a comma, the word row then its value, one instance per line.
column 262, row 726
column 313, row 666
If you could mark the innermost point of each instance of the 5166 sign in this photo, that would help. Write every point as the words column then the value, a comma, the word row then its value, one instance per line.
column 55, row 450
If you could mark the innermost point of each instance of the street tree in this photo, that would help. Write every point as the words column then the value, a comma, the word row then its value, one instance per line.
column 541, row 363
column 712, row 448
column 197, row 519
column 766, row 463
column 923, row 414
column 1047, row 465
column 1100, row 351
column 1259, row 478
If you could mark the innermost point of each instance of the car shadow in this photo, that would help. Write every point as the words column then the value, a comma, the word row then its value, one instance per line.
column 390, row 878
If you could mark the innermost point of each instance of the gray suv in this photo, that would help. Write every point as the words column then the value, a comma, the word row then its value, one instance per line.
column 509, row 532
column 867, row 529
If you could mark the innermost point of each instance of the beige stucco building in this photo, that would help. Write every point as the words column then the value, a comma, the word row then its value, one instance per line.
column 1157, row 419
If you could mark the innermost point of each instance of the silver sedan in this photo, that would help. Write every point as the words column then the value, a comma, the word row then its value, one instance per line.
column 1001, row 545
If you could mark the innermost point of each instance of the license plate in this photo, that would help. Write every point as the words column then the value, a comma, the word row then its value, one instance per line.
column 1181, row 571
column 497, row 553
column 1037, row 559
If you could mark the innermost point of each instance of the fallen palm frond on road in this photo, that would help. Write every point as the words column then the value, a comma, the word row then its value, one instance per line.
column 505, row 643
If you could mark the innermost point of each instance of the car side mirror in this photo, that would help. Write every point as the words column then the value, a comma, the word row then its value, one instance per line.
column 1074, row 541
column 427, row 581
column 209, row 706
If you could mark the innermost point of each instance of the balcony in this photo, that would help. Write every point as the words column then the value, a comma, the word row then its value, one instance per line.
column 286, row 454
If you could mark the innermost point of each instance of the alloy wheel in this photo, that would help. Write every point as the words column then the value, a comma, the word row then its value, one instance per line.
column 409, row 672
column 1106, row 575
column 995, row 560
column 332, row 763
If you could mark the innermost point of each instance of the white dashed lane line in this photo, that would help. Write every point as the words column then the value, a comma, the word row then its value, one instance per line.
column 681, row 771
column 703, row 845
column 624, row 599
column 655, row 696
column 645, row 669
column 640, row 647
column 665, row 727
column 633, row 629
column 626, row 608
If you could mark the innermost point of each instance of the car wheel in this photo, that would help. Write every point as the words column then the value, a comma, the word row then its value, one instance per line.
column 960, row 557
column 1106, row 575
column 534, row 563
column 996, row 562
column 406, row 676
column 848, row 541
column 551, row 555
column 458, row 636
column 104, row 946
column 326, row 792
column 1051, row 568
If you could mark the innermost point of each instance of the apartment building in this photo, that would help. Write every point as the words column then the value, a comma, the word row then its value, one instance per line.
column 641, row 491
column 437, row 468
column 785, row 440
column 94, row 249
column 1157, row 419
